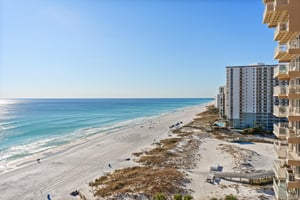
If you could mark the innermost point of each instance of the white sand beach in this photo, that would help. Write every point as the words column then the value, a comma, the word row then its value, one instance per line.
column 213, row 154
column 73, row 166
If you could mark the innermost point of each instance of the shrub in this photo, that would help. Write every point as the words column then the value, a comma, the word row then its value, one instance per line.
column 230, row 197
column 159, row 196
column 188, row 197
column 177, row 197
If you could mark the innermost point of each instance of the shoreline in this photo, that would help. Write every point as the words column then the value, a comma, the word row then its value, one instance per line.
column 81, row 139
column 72, row 166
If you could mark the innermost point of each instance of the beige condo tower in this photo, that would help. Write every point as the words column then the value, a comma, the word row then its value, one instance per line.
column 284, row 16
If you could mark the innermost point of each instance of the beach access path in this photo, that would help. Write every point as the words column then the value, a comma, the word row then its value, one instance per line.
column 72, row 166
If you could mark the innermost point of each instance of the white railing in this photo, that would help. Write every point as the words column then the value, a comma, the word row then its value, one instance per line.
column 294, row 66
column 280, row 91
column 281, row 48
column 281, row 69
column 280, row 150
column 278, row 166
column 284, row 26
column 293, row 44
column 275, row 188
column 279, row 189
column 290, row 176
column 293, row 156
column 294, row 89
column 293, row 132
column 281, row 111
column 281, row 129
column 295, row 111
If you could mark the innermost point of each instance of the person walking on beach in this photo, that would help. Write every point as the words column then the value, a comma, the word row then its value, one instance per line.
column 109, row 165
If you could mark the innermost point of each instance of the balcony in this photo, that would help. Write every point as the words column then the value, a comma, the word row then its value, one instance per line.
column 280, row 150
column 279, row 169
column 294, row 70
column 269, row 12
column 292, row 179
column 294, row 113
column 293, row 136
column 293, row 48
column 281, row 91
column 280, row 189
column 294, row 92
column 281, row 111
column 281, row 32
column 292, row 195
column 275, row 12
column 281, row 53
column 281, row 72
column 279, row 3
column 293, row 159
column 281, row 130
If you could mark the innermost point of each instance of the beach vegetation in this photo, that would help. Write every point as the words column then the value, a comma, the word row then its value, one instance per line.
column 159, row 196
column 146, row 180
column 158, row 172
column 187, row 197
column 177, row 197
column 230, row 197
column 181, row 197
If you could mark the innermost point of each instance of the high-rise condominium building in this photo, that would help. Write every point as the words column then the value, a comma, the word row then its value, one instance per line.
column 284, row 16
column 220, row 101
column 249, row 96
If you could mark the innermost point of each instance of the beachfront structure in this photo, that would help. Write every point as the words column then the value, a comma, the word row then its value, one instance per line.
column 284, row 16
column 249, row 96
column 220, row 101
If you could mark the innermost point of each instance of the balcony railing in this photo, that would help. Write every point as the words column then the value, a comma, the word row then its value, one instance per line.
column 269, row 7
column 281, row 27
column 281, row 130
column 293, row 133
column 281, row 70
column 290, row 176
column 281, row 2
column 281, row 111
column 294, row 66
column 281, row 91
column 281, row 48
column 293, row 44
column 280, row 189
column 278, row 166
column 294, row 89
column 293, row 156
column 294, row 111
column 280, row 150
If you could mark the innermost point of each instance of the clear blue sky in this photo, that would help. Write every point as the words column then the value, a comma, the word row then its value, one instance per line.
column 127, row 48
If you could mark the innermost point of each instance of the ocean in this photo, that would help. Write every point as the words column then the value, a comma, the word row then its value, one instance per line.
column 29, row 126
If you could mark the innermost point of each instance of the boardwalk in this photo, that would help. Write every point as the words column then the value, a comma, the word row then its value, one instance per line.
column 253, row 178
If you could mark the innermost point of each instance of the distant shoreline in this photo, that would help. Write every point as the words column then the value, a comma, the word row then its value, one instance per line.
column 70, row 167
column 80, row 139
